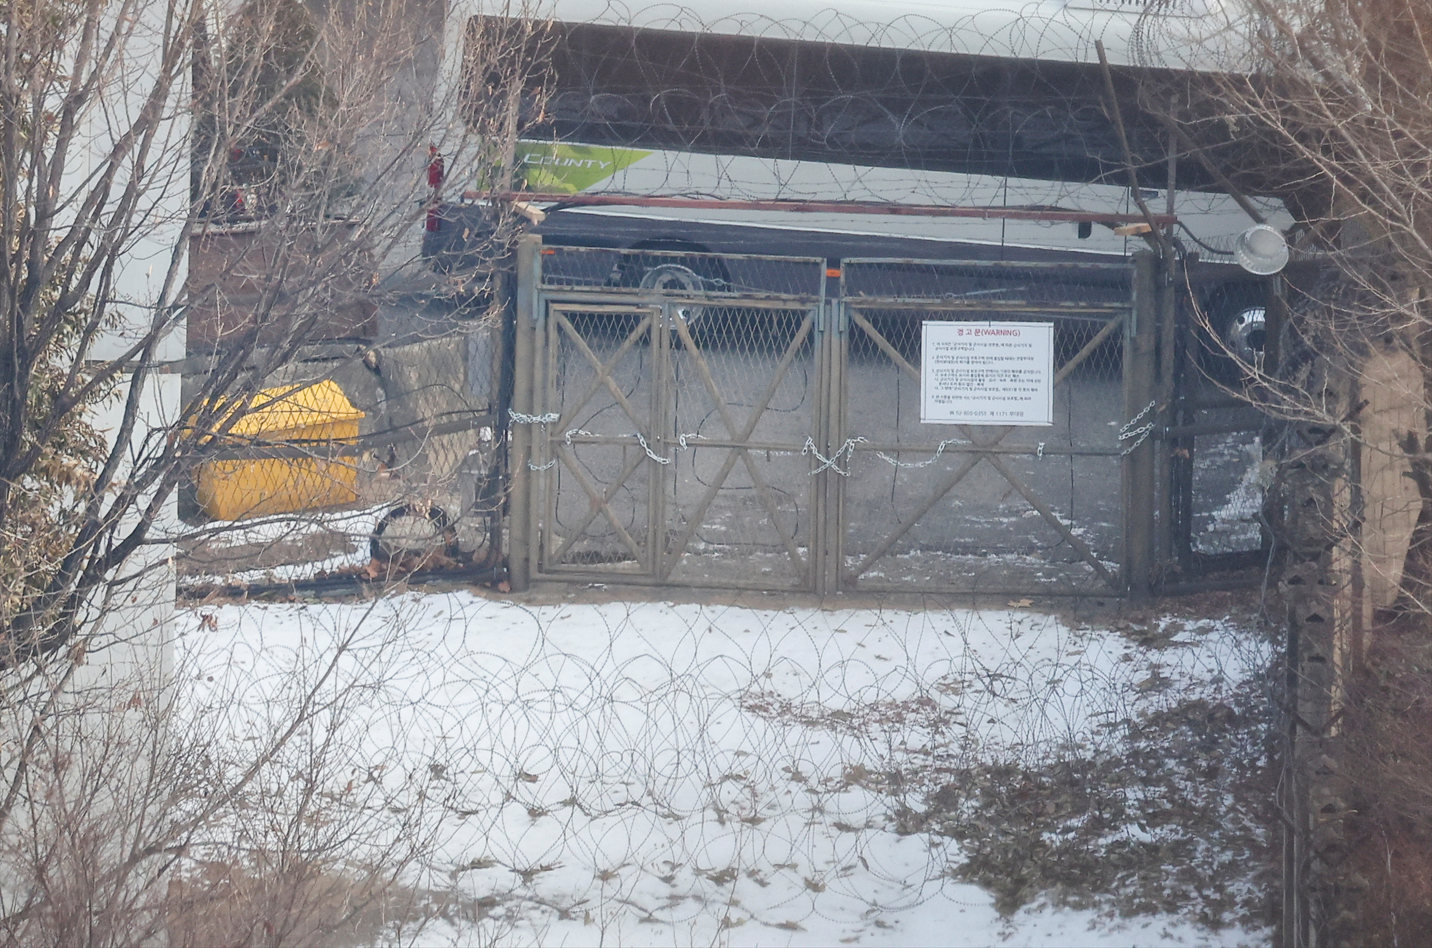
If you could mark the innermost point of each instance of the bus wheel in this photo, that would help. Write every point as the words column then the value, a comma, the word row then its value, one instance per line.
column 682, row 271
column 1237, row 322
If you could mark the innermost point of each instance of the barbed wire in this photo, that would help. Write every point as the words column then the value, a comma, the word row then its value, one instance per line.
column 881, row 109
column 659, row 764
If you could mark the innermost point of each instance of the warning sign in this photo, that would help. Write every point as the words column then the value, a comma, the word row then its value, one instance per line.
column 987, row 373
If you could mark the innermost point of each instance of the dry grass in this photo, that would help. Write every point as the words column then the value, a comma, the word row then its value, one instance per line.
column 1386, row 775
column 301, row 903
column 1164, row 811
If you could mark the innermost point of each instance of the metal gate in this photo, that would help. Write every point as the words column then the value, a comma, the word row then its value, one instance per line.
column 668, row 436
column 997, row 508
column 753, row 422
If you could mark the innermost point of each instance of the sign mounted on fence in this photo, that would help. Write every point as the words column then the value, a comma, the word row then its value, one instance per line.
column 987, row 373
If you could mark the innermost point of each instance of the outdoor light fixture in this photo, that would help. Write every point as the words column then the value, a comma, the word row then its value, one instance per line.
column 1262, row 250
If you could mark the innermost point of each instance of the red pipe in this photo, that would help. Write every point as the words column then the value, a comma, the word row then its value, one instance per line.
column 820, row 207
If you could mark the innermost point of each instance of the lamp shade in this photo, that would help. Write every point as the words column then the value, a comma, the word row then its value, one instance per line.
column 1261, row 249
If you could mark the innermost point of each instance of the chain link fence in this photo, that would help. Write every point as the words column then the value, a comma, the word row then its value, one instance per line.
column 679, row 271
column 998, row 507
column 1230, row 476
column 752, row 430
column 681, row 391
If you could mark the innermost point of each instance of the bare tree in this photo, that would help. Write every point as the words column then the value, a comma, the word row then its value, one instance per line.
column 1335, row 99
column 131, row 128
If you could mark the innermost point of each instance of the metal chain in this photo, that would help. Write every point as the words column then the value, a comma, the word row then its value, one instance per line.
column 649, row 452
column 927, row 462
column 832, row 462
column 683, row 439
column 521, row 419
column 1138, row 435
column 518, row 418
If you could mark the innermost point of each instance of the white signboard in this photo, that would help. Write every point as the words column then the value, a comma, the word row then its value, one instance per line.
column 987, row 373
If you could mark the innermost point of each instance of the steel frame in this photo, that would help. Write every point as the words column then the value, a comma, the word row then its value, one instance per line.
column 818, row 564
column 988, row 448
column 654, row 557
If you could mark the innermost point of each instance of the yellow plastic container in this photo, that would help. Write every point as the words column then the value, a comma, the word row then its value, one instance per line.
column 235, row 490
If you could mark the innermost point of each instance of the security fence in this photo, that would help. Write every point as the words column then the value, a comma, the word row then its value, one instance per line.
column 758, row 422
column 676, row 405
column 1218, row 466
column 1003, row 507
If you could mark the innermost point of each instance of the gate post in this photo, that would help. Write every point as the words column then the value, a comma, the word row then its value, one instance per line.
column 1168, row 371
column 830, row 423
column 520, row 504
column 1139, row 469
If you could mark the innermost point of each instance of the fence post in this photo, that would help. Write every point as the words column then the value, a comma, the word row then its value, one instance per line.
column 1139, row 470
column 830, row 421
column 840, row 358
column 520, row 507
column 824, row 434
column 1168, row 359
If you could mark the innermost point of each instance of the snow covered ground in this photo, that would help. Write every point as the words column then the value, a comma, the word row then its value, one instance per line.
column 641, row 773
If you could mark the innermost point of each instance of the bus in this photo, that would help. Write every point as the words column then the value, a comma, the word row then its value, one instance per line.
column 880, row 130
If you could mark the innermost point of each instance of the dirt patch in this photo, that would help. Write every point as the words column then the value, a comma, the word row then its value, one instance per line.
column 211, row 558
column 1098, row 611
column 1168, row 818
column 1242, row 605
column 296, row 902
column 1166, row 811
column 1382, row 877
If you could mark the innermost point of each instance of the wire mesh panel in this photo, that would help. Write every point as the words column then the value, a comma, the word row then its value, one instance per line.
column 746, row 393
column 1230, row 475
column 676, row 272
column 602, row 407
column 988, row 285
column 679, row 420
column 1219, row 471
column 982, row 506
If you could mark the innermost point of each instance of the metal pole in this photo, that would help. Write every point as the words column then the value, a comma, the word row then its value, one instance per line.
column 1167, row 365
column 1139, row 468
column 881, row 208
column 835, row 495
column 519, row 521
column 661, row 389
column 542, row 491
column 1182, row 444
column 823, row 433
column 1275, row 317
column 827, row 423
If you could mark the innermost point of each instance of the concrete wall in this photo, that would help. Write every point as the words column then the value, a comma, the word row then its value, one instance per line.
column 1392, row 384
